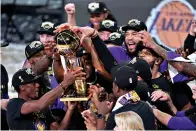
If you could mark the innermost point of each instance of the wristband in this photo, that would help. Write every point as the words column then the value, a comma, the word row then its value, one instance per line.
column 94, row 34
column 62, row 87
column 100, row 116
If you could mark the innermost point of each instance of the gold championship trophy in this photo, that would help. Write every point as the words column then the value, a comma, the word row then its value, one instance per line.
column 67, row 43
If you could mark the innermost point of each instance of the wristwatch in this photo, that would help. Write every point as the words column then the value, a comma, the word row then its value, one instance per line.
column 100, row 116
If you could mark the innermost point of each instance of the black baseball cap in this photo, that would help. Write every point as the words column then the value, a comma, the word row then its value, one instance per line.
column 142, row 68
column 135, row 25
column 120, row 30
column 22, row 77
column 47, row 28
column 97, row 7
column 115, row 38
column 108, row 25
column 33, row 48
column 142, row 90
column 124, row 77
column 140, row 47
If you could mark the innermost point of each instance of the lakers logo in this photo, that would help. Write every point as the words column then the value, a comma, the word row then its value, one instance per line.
column 39, row 125
column 170, row 22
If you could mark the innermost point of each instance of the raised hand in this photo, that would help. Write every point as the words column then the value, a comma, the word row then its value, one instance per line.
column 70, row 8
column 71, row 76
column 181, row 52
column 146, row 39
column 193, row 28
column 90, row 119
column 90, row 125
column 84, row 32
column 94, row 91
column 160, row 95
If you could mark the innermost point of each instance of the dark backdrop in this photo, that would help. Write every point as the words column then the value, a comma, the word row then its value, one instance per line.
column 123, row 10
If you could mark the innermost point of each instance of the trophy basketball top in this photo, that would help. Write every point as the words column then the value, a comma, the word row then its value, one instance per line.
column 67, row 42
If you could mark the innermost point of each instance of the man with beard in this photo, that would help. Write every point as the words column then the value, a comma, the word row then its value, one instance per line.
column 181, row 92
column 119, row 54
column 127, row 51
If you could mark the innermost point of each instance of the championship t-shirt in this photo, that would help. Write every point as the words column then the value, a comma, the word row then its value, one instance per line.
column 39, row 120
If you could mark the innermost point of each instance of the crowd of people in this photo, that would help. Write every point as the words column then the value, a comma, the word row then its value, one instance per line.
column 130, row 79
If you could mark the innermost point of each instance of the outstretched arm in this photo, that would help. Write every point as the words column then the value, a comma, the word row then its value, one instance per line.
column 162, row 117
column 187, row 68
column 42, row 65
column 48, row 98
column 70, row 10
column 97, row 63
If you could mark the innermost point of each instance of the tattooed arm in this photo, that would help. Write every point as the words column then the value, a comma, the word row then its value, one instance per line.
column 187, row 68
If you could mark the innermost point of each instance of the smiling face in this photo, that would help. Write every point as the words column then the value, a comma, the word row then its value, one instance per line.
column 131, row 40
column 97, row 18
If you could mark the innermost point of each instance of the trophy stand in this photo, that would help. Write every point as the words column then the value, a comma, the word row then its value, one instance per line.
column 67, row 44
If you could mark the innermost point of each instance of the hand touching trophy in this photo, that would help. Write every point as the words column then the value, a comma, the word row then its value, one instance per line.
column 68, row 43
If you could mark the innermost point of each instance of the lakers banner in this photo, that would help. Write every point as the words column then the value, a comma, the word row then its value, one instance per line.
column 170, row 21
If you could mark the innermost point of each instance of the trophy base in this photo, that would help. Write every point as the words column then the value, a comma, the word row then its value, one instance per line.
column 74, row 99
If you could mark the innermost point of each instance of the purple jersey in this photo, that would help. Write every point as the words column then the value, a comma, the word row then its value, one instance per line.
column 120, row 54
column 181, row 123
